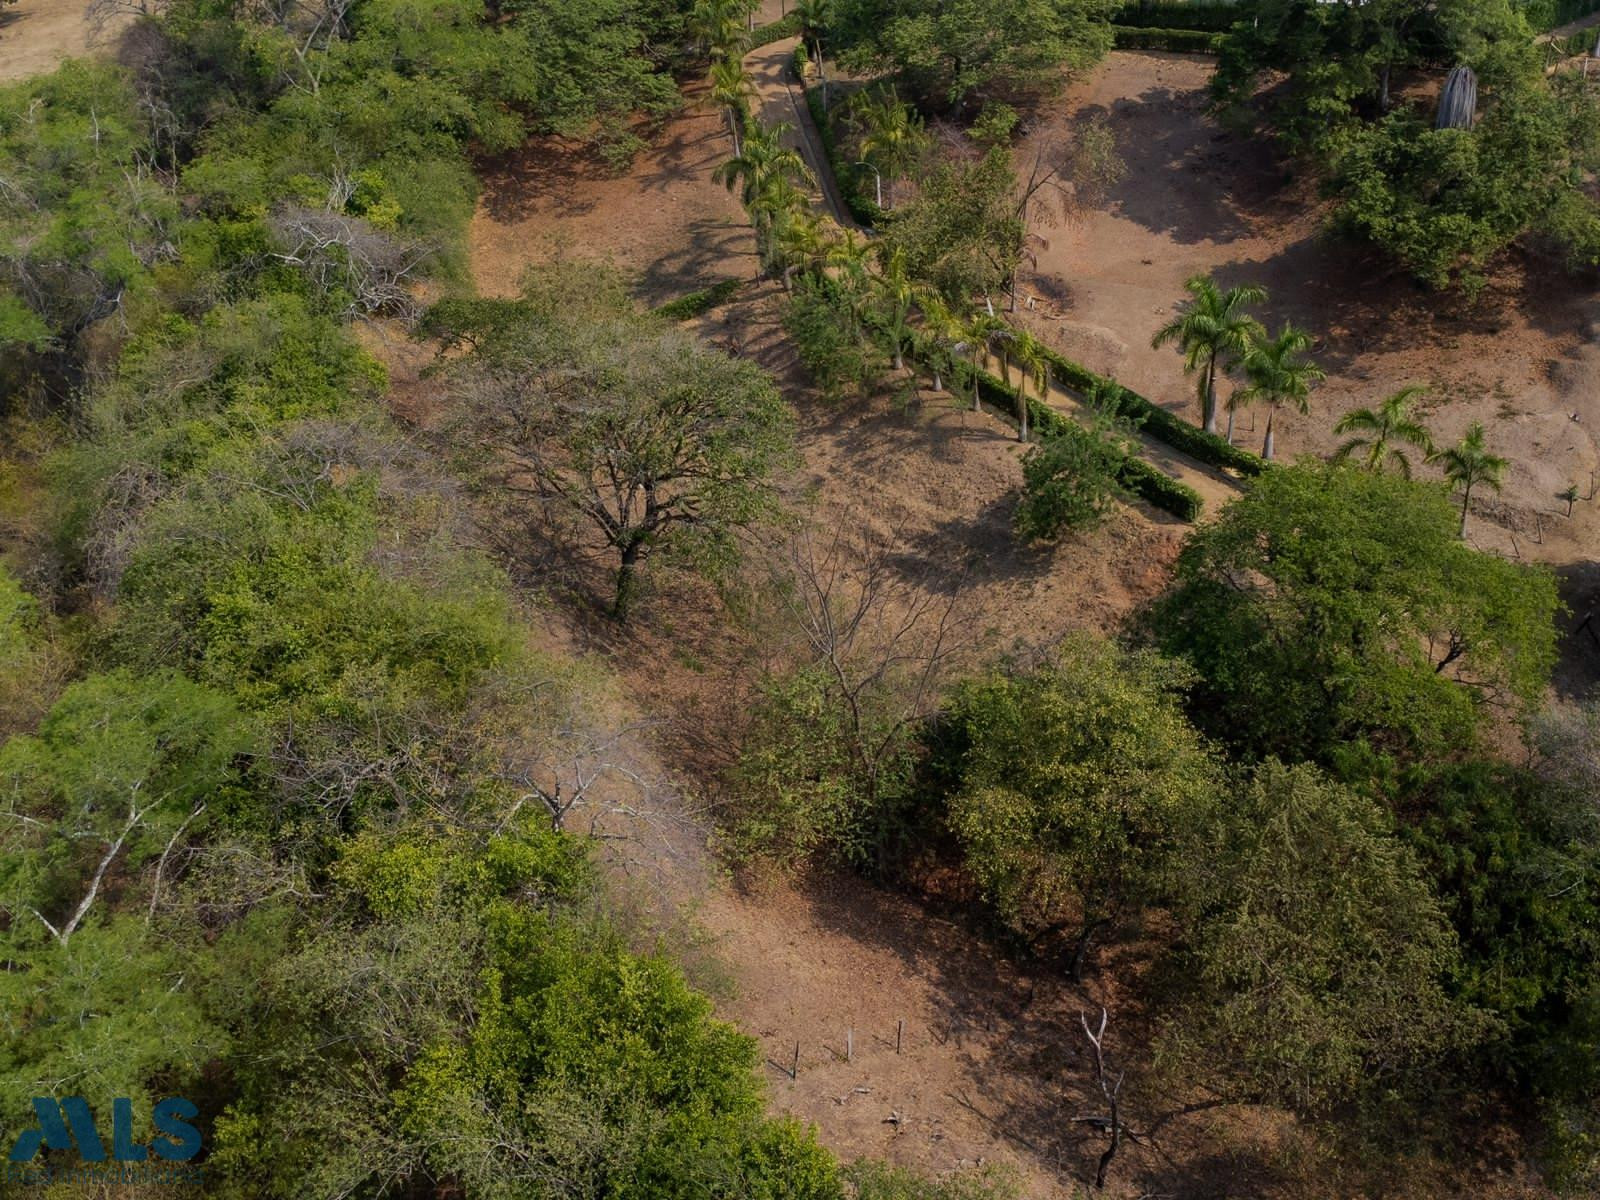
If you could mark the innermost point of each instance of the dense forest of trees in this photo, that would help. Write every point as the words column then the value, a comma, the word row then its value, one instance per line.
column 283, row 819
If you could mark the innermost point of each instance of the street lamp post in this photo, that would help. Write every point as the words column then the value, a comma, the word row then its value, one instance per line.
column 878, row 175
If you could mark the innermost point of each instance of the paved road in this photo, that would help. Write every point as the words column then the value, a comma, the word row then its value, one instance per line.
column 780, row 99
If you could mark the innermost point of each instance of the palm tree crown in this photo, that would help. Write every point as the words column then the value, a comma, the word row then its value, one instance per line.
column 1279, row 375
column 1212, row 332
column 1378, row 430
column 1469, row 463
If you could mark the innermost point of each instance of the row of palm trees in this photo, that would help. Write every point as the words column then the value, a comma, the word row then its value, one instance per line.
column 1217, row 335
column 878, row 297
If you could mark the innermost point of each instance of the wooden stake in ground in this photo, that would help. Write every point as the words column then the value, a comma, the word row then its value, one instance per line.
column 899, row 1034
column 849, row 1045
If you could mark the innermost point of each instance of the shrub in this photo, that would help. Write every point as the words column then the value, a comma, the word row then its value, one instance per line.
column 776, row 31
column 697, row 303
column 1069, row 482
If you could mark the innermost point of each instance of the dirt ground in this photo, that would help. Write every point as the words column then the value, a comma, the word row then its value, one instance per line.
column 36, row 35
column 1522, row 358
column 663, row 220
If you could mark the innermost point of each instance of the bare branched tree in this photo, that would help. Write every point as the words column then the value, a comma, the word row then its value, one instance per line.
column 1069, row 175
column 348, row 255
column 885, row 638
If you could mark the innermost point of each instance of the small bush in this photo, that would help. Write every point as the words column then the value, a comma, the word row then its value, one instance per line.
column 1069, row 482
column 700, row 302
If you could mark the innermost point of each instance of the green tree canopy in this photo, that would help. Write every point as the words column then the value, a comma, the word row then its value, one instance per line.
column 953, row 54
column 629, row 425
column 1314, row 956
column 1330, row 605
column 1074, row 784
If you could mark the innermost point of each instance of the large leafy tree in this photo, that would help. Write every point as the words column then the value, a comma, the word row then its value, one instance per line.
column 599, row 413
column 962, row 236
column 1075, row 782
column 452, row 1015
column 1313, row 957
column 955, row 53
column 1330, row 605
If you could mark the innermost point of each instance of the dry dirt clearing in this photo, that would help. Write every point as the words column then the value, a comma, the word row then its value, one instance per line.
column 36, row 35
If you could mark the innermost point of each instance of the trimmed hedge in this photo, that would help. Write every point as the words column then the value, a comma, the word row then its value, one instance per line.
column 775, row 31
column 1213, row 16
column 1177, row 41
column 693, row 304
column 1548, row 14
column 862, row 208
column 1138, row 476
column 1153, row 419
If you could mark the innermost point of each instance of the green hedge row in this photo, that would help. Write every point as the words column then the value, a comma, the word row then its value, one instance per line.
column 693, row 304
column 1547, row 14
column 775, row 31
column 1179, row 41
column 1153, row 419
column 862, row 207
column 1213, row 16
column 1138, row 476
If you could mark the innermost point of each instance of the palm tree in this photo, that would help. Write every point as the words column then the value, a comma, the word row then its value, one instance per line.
column 896, row 294
column 764, row 173
column 946, row 331
column 1028, row 353
column 731, row 89
column 804, row 242
column 1468, row 464
column 892, row 136
column 1279, row 376
column 988, row 332
column 1378, row 429
column 719, row 25
column 1213, row 331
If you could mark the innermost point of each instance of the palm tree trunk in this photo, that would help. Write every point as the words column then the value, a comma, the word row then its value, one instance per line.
column 1022, row 408
column 1267, row 446
column 1208, row 402
column 1230, row 426
column 1466, row 502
